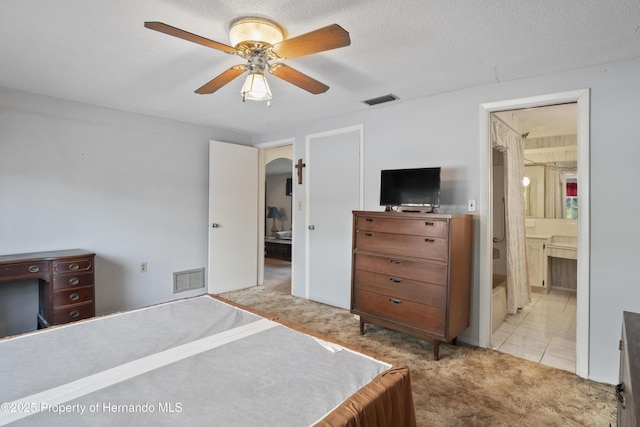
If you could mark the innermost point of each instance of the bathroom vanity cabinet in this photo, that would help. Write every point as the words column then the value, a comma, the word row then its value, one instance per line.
column 552, row 263
column 537, row 263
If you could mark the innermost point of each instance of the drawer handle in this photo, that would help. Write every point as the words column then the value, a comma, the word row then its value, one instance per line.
column 395, row 301
column 429, row 223
column 619, row 396
column 34, row 269
column 74, row 296
column 368, row 234
column 395, row 261
column 395, row 280
column 74, row 281
column 429, row 240
column 74, row 314
column 369, row 219
column 74, row 266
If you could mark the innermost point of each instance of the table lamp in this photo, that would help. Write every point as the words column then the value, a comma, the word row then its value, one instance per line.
column 274, row 213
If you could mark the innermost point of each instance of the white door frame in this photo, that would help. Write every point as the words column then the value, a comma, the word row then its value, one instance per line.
column 485, row 205
column 359, row 128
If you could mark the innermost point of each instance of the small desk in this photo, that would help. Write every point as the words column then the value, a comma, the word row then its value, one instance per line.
column 66, row 282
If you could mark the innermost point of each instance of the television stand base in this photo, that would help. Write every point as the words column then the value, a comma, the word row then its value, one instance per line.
column 415, row 209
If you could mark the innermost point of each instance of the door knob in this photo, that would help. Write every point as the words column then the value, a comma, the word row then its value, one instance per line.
column 215, row 225
column 312, row 227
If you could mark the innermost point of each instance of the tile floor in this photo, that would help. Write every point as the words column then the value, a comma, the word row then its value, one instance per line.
column 544, row 331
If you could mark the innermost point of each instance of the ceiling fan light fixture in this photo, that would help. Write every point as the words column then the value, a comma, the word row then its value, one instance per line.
column 256, row 88
column 254, row 30
column 260, row 41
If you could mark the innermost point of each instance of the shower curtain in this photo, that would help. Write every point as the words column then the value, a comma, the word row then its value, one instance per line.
column 505, row 139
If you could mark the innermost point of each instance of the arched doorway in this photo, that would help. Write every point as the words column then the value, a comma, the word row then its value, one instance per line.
column 278, row 236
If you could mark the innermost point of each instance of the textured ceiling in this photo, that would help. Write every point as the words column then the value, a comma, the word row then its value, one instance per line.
column 98, row 52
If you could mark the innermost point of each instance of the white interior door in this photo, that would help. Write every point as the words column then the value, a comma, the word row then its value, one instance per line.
column 333, row 192
column 233, row 216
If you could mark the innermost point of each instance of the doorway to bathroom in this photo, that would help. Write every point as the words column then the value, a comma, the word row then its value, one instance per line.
column 542, row 326
column 556, row 242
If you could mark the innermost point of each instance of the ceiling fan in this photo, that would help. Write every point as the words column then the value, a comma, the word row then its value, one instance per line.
column 262, row 44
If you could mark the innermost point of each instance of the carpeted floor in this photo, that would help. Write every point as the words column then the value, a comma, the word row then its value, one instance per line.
column 468, row 386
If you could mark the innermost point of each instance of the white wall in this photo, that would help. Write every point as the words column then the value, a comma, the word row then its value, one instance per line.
column 131, row 188
column 443, row 130
column 143, row 185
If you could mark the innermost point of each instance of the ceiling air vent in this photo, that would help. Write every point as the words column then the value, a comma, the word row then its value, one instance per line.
column 381, row 99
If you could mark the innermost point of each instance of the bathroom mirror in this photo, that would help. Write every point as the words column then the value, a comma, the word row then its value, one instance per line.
column 550, row 184
column 551, row 158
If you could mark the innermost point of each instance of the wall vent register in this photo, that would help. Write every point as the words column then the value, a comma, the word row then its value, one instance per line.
column 188, row 280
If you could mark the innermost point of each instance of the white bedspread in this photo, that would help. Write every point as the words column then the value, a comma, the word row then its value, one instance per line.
column 190, row 362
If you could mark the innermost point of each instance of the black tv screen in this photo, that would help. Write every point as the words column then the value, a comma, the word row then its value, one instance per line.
column 410, row 187
column 288, row 191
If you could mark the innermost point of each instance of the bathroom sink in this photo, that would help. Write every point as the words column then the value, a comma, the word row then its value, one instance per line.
column 563, row 247
column 567, row 241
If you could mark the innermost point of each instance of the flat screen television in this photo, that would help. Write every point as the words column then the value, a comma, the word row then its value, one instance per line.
column 410, row 187
column 288, row 191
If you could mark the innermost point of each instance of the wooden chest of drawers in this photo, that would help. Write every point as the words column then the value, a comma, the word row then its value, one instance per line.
column 66, row 278
column 277, row 248
column 411, row 272
column 628, row 390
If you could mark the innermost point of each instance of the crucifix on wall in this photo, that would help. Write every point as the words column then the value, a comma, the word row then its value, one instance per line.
column 299, row 166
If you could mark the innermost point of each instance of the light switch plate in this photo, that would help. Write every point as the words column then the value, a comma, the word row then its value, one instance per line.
column 471, row 205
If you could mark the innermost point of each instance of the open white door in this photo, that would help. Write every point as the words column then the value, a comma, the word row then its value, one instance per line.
column 233, row 216
column 333, row 192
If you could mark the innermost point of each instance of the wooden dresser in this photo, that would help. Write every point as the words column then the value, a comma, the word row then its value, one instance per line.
column 66, row 280
column 411, row 272
column 628, row 390
column 277, row 248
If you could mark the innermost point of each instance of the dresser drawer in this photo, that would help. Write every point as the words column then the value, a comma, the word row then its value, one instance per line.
column 426, row 227
column 77, row 265
column 422, row 271
column 72, row 296
column 72, row 313
column 27, row 270
column 415, row 246
column 405, row 289
column 431, row 319
column 71, row 281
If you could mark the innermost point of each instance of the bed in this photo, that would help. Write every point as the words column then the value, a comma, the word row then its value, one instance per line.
column 197, row 361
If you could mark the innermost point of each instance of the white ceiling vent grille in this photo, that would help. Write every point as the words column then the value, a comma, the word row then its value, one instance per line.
column 188, row 280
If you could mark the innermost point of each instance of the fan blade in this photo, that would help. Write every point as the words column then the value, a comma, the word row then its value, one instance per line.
column 222, row 79
column 327, row 38
column 297, row 78
column 177, row 32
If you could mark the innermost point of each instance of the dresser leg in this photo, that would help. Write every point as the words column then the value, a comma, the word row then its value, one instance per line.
column 361, row 326
column 436, row 350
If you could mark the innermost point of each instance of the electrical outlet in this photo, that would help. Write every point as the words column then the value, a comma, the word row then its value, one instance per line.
column 143, row 267
column 471, row 205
